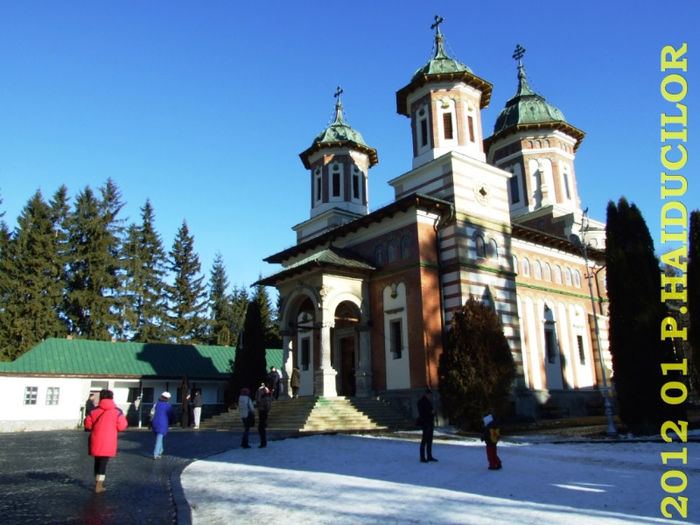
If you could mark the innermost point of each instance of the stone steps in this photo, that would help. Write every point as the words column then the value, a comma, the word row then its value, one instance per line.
column 312, row 414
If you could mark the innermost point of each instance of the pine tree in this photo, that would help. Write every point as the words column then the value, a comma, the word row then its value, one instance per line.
column 30, row 285
column 239, row 305
column 144, row 258
column 187, row 295
column 94, row 271
column 636, row 312
column 694, row 297
column 476, row 368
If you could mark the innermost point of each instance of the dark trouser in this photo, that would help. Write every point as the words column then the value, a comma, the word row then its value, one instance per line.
column 492, row 456
column 246, row 430
column 426, row 442
column 101, row 465
column 262, row 427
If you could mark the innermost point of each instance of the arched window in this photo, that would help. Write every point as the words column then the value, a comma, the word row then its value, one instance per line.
column 577, row 279
column 547, row 272
column 393, row 251
column 493, row 249
column 557, row 274
column 480, row 246
column 567, row 276
column 515, row 264
column 537, row 270
column 526, row 267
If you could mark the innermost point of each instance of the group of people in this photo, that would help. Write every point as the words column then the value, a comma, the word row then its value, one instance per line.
column 191, row 406
column 426, row 421
column 265, row 393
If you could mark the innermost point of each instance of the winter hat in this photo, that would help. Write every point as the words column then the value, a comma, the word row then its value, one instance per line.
column 245, row 391
column 166, row 395
column 488, row 419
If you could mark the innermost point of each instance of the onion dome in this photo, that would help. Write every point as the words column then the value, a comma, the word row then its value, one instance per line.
column 528, row 110
column 339, row 134
column 442, row 68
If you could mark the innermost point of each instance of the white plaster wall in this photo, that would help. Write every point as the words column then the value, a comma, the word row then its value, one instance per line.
column 397, row 370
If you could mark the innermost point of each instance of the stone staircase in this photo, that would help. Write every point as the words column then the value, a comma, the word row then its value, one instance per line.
column 321, row 414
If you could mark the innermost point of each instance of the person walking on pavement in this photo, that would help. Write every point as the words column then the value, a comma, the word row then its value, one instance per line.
column 264, row 402
column 490, row 436
column 163, row 417
column 246, row 410
column 197, row 404
column 104, row 422
column 426, row 420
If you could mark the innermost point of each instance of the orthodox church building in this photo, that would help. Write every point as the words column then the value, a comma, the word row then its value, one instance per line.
column 367, row 296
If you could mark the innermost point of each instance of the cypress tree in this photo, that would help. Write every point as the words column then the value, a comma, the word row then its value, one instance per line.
column 636, row 312
column 476, row 368
column 187, row 295
column 220, row 305
column 239, row 305
column 694, row 297
column 250, row 366
column 144, row 304
column 268, row 317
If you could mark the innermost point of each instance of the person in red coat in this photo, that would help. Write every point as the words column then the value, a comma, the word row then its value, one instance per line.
column 103, row 423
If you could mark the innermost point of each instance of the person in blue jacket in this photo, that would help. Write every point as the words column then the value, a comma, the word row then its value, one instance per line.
column 163, row 417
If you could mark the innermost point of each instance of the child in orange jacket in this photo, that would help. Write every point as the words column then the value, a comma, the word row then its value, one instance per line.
column 491, row 436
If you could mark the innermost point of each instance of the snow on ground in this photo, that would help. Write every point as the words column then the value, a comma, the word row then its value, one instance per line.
column 343, row 479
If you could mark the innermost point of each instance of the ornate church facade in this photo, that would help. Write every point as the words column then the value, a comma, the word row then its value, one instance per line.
column 365, row 297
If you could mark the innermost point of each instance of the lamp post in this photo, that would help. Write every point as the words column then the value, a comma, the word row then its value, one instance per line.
column 612, row 431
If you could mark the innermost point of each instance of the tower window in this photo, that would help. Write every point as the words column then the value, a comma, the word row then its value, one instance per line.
column 470, row 125
column 395, row 342
column 318, row 185
column 423, row 132
column 566, row 185
column 336, row 184
column 447, row 126
column 514, row 189
column 355, row 186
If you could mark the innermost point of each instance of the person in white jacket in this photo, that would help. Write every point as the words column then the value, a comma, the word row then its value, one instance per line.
column 246, row 410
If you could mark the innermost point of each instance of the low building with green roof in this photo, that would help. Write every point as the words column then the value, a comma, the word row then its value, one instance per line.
column 48, row 387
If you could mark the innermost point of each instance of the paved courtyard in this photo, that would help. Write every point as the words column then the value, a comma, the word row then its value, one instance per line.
column 47, row 477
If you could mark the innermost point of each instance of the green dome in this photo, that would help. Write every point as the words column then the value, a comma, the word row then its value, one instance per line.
column 440, row 63
column 339, row 131
column 526, row 107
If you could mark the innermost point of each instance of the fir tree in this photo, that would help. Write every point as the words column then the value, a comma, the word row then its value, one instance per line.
column 144, row 258
column 30, row 286
column 220, row 304
column 268, row 317
column 239, row 305
column 250, row 366
column 694, row 297
column 93, row 282
column 636, row 312
column 187, row 295
column 476, row 368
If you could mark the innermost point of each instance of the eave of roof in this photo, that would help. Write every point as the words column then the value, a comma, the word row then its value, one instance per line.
column 464, row 76
column 564, row 127
column 318, row 146
column 530, row 234
column 413, row 200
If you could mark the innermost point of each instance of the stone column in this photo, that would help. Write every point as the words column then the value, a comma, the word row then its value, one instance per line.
column 324, row 377
column 287, row 360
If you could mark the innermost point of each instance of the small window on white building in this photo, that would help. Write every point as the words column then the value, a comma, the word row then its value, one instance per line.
column 480, row 247
column 470, row 128
column 395, row 342
column 422, row 128
column 526, row 267
column 581, row 350
column 557, row 274
column 547, row 272
column 317, row 185
column 515, row 264
column 537, row 270
column 30, row 395
column 356, row 183
column 514, row 188
column 577, row 279
column 567, row 276
column 52, row 394
column 493, row 249
column 447, row 131
column 335, row 180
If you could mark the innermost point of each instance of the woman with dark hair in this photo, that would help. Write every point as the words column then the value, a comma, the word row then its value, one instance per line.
column 246, row 410
column 104, row 422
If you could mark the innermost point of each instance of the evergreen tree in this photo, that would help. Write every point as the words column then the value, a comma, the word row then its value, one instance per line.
column 694, row 297
column 239, row 305
column 145, row 307
column 220, row 304
column 250, row 366
column 268, row 317
column 94, row 271
column 187, row 295
column 30, row 286
column 476, row 368
column 633, row 284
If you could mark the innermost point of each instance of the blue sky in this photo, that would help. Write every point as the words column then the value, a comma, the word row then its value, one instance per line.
column 204, row 107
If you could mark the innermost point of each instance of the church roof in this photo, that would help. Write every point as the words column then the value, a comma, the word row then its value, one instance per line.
column 84, row 357
column 442, row 67
column 339, row 134
column 528, row 110
column 331, row 257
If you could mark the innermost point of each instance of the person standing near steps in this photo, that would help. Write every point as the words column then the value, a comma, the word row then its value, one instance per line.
column 104, row 422
column 426, row 420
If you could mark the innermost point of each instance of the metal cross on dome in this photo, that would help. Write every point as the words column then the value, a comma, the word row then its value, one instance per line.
column 438, row 20
column 519, row 52
column 338, row 92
